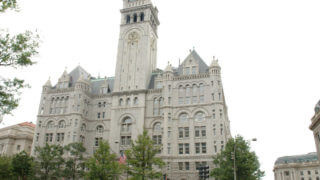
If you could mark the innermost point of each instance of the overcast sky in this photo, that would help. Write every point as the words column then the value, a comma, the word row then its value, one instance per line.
column 268, row 51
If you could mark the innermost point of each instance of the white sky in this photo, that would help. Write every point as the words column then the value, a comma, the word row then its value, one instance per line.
column 268, row 51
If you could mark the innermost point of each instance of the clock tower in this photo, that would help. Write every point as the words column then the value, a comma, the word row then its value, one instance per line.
column 137, row 48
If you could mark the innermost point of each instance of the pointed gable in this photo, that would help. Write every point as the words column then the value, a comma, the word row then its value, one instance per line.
column 77, row 73
column 193, row 60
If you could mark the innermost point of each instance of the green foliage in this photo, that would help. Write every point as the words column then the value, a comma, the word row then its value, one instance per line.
column 5, row 168
column 50, row 161
column 15, row 51
column 247, row 164
column 142, row 159
column 7, row 4
column 103, row 165
column 22, row 165
column 74, row 164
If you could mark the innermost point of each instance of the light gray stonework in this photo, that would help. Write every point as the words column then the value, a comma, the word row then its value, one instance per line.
column 183, row 108
column 300, row 167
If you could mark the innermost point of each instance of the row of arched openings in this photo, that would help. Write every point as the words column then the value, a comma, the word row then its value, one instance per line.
column 135, row 17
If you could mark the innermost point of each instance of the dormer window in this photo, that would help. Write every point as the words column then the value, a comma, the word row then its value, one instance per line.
column 187, row 71
column 135, row 18
column 194, row 70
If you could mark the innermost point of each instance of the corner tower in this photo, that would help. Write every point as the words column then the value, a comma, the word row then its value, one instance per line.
column 137, row 48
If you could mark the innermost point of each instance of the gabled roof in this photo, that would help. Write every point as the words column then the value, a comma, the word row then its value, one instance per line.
column 76, row 73
column 310, row 157
column 203, row 67
column 30, row 124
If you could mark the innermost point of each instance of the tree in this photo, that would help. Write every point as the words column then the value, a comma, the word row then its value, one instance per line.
column 74, row 164
column 15, row 52
column 142, row 160
column 22, row 165
column 5, row 168
column 246, row 161
column 103, row 165
column 50, row 161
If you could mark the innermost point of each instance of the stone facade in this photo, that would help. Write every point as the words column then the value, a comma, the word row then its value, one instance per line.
column 16, row 138
column 315, row 127
column 183, row 108
column 301, row 167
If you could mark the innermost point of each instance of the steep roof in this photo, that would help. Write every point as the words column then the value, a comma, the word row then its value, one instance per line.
column 310, row 157
column 76, row 73
column 203, row 67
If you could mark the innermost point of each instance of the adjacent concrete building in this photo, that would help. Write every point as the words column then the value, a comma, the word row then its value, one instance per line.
column 183, row 107
column 16, row 138
column 300, row 167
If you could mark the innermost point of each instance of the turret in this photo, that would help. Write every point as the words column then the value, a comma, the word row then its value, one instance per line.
column 47, row 86
column 215, row 68
column 168, row 72
column 82, row 84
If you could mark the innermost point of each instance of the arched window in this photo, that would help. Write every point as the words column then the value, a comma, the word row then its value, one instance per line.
column 136, row 101
column 200, row 116
column 155, row 107
column 201, row 89
column 99, row 129
column 188, row 90
column 126, row 125
column 128, row 101
column 157, row 127
column 50, row 125
column 142, row 16
column 128, row 19
column 120, row 102
column 83, row 127
column 183, row 117
column 62, row 124
column 181, row 91
column 194, row 90
column 135, row 18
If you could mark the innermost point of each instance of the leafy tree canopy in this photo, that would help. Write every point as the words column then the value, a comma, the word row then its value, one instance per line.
column 15, row 51
column 50, row 161
column 247, row 164
column 75, row 163
column 23, row 165
column 142, row 159
column 103, row 165
column 5, row 168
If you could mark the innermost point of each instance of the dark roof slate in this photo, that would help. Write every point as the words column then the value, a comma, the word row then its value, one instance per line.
column 310, row 157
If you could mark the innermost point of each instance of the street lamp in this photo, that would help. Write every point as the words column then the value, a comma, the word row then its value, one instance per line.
column 233, row 156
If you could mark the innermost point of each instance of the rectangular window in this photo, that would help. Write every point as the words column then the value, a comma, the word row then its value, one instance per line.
column 187, row 71
column 186, row 148
column 58, row 137
column 187, row 100
column 123, row 140
column 203, row 131
column 169, row 132
column 50, row 137
column 213, row 114
column 96, row 141
column 186, row 132
column 37, row 137
column 194, row 100
column 98, row 115
column 180, row 166
column 169, row 148
column 197, row 145
column 197, row 131
column 180, row 100
column 194, row 69
column 180, row 148
column 18, row 147
column 169, row 117
column 103, row 115
column 204, row 147
column 212, row 96
column 180, row 132
column 201, row 98
column 169, row 100
column 187, row 166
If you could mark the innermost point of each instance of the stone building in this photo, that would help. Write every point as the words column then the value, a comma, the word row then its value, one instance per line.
column 183, row 107
column 315, row 127
column 301, row 167
column 16, row 138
